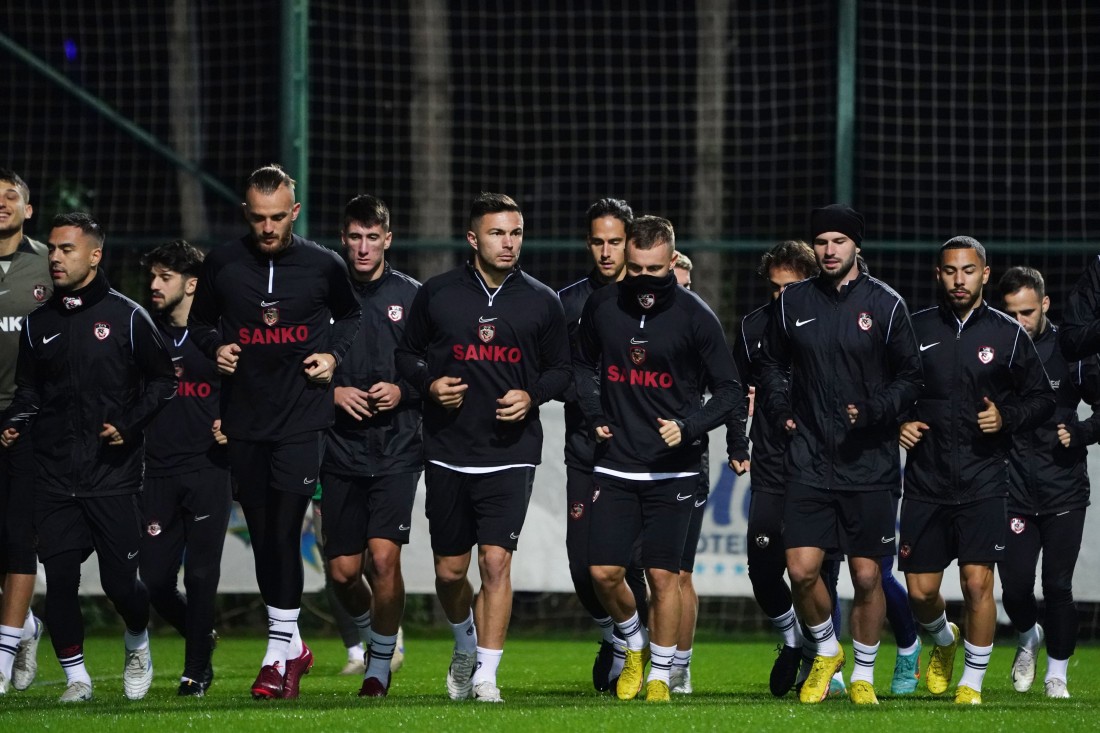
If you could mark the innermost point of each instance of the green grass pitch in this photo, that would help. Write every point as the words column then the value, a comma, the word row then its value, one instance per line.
column 546, row 685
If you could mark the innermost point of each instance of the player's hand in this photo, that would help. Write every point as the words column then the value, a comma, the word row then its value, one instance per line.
column 670, row 432
column 514, row 405
column 739, row 467
column 752, row 399
column 384, row 396
column 1064, row 435
column 228, row 356
column 353, row 401
column 8, row 437
column 219, row 437
column 319, row 368
column 989, row 419
column 603, row 432
column 853, row 414
column 111, row 435
column 448, row 392
column 911, row 433
column 790, row 426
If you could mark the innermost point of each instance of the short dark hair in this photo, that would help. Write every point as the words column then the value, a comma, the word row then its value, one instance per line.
column 963, row 242
column 1021, row 277
column 82, row 221
column 611, row 207
column 791, row 254
column 491, row 203
column 267, row 180
column 178, row 256
column 367, row 210
column 7, row 174
column 646, row 232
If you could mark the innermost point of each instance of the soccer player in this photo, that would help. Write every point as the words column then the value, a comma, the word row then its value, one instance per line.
column 844, row 343
column 647, row 350
column 1079, row 334
column 486, row 344
column 187, row 496
column 277, row 313
column 681, row 268
column 984, row 382
column 92, row 373
column 24, row 285
column 608, row 221
column 1048, row 494
column 373, row 455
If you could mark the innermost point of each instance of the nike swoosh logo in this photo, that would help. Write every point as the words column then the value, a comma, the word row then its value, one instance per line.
column 700, row 503
column 265, row 304
column 4, row 292
column 514, row 536
column 886, row 540
column 929, row 346
column 998, row 548
column 48, row 339
column 636, row 341
column 482, row 319
column 131, row 555
column 309, row 480
column 199, row 519
column 800, row 323
column 403, row 527
column 681, row 498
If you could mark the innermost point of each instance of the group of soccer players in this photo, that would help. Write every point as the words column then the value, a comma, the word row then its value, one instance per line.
column 272, row 366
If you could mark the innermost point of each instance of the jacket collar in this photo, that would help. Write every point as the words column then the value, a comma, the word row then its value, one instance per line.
column 74, row 301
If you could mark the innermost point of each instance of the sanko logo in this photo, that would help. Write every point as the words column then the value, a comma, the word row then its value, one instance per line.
column 280, row 335
column 11, row 323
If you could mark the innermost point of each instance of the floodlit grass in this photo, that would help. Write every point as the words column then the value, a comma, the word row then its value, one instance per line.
column 546, row 685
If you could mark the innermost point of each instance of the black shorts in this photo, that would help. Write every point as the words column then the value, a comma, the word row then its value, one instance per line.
column 695, row 526
column 932, row 535
column 857, row 523
column 765, row 526
column 355, row 509
column 292, row 464
column 17, row 474
column 195, row 496
column 467, row 509
column 657, row 511
column 109, row 525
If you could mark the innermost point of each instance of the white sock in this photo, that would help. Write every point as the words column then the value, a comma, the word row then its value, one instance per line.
column 282, row 625
column 1057, row 669
column 681, row 658
column 824, row 638
column 607, row 628
column 30, row 626
column 940, row 631
column 465, row 635
column 864, row 668
column 631, row 630
column 487, row 662
column 788, row 628
column 136, row 641
column 381, row 652
column 977, row 660
column 10, row 636
column 660, row 662
column 356, row 653
column 362, row 623
column 907, row 650
column 75, row 671
column 297, row 648
column 1030, row 639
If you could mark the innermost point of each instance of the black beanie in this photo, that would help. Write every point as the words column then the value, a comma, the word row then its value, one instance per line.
column 837, row 218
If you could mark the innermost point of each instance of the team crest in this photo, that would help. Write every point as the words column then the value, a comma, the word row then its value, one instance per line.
column 271, row 316
column 39, row 292
column 1017, row 525
column 576, row 510
column 486, row 332
column 985, row 354
column 906, row 550
column 595, row 494
column 763, row 540
column 637, row 355
column 395, row 312
column 646, row 300
column 72, row 302
column 153, row 529
column 865, row 321
column 178, row 369
column 102, row 330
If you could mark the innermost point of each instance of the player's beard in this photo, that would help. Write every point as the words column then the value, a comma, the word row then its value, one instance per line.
column 167, row 305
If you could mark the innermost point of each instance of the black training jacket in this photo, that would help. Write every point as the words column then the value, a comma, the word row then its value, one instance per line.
column 769, row 442
column 580, row 447
column 513, row 337
column 88, row 357
column 637, row 363
column 1048, row 478
column 280, row 310
column 24, row 287
column 389, row 442
column 988, row 356
column 1079, row 335
column 180, row 438
column 852, row 346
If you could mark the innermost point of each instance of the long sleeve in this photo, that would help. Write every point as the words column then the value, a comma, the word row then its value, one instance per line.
column 775, row 363
column 157, row 375
column 1079, row 334
column 556, row 372
column 727, row 398
column 1034, row 399
column 26, row 401
column 203, row 320
column 885, row 408
column 345, row 310
column 410, row 357
column 586, row 369
column 1087, row 432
